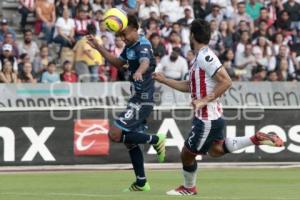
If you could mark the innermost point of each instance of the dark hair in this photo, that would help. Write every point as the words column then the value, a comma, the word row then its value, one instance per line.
column 27, row 31
column 133, row 21
column 91, row 29
column 263, row 8
column 241, row 3
column 201, row 31
column 23, row 55
column 153, row 35
column 51, row 63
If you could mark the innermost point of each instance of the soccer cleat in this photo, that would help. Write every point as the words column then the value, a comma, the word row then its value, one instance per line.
column 271, row 139
column 160, row 147
column 183, row 191
column 135, row 188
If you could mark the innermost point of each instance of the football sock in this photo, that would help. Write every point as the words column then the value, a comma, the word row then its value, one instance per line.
column 190, row 175
column 137, row 160
column 237, row 143
column 138, row 138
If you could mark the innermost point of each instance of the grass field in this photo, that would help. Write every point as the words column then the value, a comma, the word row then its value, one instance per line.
column 213, row 184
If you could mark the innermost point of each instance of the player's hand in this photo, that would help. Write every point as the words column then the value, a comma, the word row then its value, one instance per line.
column 92, row 41
column 199, row 103
column 158, row 76
column 138, row 76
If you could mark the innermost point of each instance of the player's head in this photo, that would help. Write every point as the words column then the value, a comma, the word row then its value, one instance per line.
column 200, row 32
column 130, row 34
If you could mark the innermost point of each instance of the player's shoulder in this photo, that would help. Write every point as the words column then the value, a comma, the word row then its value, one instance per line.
column 206, row 55
column 143, row 41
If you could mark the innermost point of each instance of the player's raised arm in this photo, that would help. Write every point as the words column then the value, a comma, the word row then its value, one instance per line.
column 183, row 86
column 117, row 62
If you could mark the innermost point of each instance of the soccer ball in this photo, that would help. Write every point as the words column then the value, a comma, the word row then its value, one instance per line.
column 115, row 20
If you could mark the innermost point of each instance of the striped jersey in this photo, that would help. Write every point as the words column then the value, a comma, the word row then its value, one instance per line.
column 204, row 67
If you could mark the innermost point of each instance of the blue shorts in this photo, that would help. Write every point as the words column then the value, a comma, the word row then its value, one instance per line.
column 133, row 119
column 204, row 134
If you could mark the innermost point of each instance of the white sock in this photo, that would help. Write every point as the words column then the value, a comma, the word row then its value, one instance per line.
column 237, row 143
column 189, row 179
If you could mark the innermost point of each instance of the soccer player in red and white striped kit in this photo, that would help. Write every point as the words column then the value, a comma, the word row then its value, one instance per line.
column 208, row 81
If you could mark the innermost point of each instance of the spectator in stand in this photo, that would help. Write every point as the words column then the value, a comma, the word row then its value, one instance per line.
column 245, row 62
column 216, row 14
column 293, row 8
column 86, row 6
column 25, row 8
column 24, row 58
column 238, row 31
column 46, row 13
column 63, row 5
column 158, row 47
column 226, row 35
column 7, row 55
column 283, row 22
column 28, row 46
column 242, row 15
column 116, row 74
column 282, row 72
column 187, row 19
column 174, row 41
column 264, row 16
column 259, row 74
column 65, row 30
column 7, row 74
column 4, row 29
column 170, row 8
column 262, row 51
column 253, row 8
column 228, row 62
column 215, row 42
column 274, row 7
column 26, row 75
column 272, row 76
column 40, row 62
column 151, row 28
column 153, row 16
column 104, row 32
column 9, row 39
column 277, row 42
column 87, row 59
column 99, row 5
column 262, row 31
column 173, row 66
column 245, row 39
column 185, row 4
column 81, row 22
column 202, row 8
column 166, row 27
column 283, row 56
column 190, row 56
column 68, row 75
column 50, row 76
column 146, row 8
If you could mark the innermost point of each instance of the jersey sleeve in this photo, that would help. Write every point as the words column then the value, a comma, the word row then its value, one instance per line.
column 144, row 52
column 210, row 63
column 123, row 55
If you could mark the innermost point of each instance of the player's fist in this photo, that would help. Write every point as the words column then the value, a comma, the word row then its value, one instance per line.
column 158, row 76
column 199, row 103
column 137, row 76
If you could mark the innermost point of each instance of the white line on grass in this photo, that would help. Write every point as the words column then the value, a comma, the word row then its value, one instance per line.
column 146, row 194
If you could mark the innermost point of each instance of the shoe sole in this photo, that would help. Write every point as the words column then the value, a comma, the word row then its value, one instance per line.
column 269, row 139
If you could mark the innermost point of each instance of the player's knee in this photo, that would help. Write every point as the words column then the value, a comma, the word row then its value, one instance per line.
column 187, row 157
column 115, row 134
column 216, row 151
column 130, row 146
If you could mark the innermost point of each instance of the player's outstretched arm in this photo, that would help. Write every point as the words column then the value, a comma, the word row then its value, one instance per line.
column 183, row 86
column 118, row 63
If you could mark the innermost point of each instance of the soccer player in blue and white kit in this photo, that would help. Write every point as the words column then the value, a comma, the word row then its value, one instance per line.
column 208, row 80
column 129, row 128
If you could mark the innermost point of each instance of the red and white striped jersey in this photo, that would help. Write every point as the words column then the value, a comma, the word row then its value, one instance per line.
column 204, row 67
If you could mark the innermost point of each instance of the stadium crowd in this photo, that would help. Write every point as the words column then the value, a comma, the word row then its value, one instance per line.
column 256, row 40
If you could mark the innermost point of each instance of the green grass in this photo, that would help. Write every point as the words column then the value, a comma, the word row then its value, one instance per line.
column 213, row 184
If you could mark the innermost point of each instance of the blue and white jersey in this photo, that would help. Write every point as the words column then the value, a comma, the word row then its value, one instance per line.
column 134, row 55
